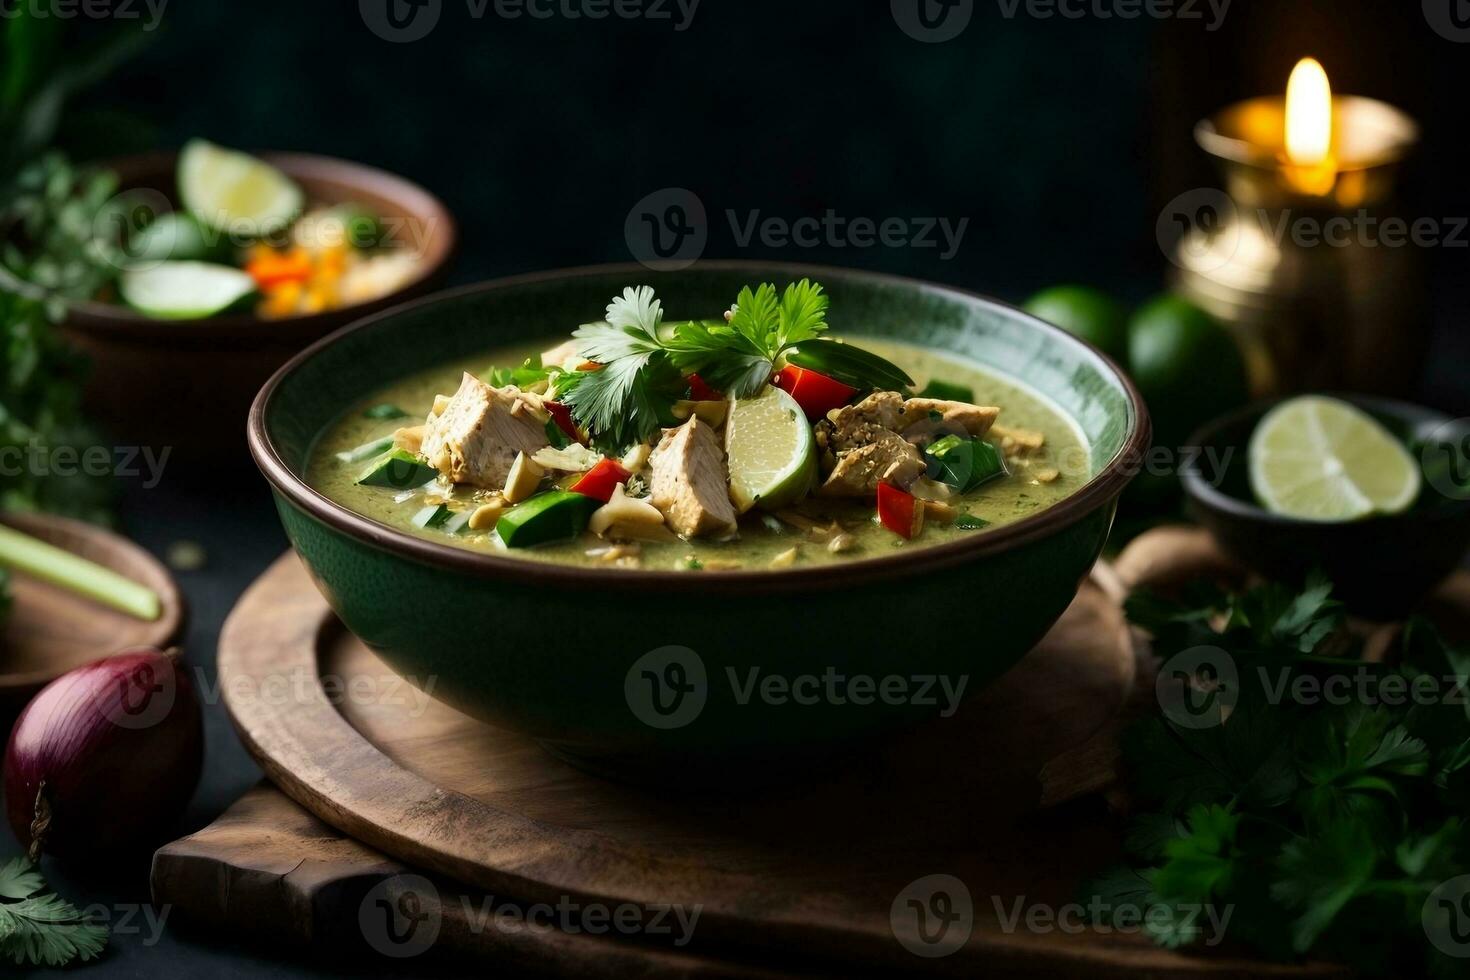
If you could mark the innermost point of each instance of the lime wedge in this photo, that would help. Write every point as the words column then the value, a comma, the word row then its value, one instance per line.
column 236, row 193
column 184, row 290
column 1320, row 459
column 773, row 455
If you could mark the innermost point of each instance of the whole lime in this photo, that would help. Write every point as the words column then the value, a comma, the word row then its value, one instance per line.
column 1084, row 312
column 1187, row 366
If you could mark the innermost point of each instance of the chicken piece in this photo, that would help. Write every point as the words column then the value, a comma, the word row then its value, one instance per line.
column 888, row 458
column 854, row 425
column 861, row 447
column 689, row 482
column 477, row 437
column 920, row 424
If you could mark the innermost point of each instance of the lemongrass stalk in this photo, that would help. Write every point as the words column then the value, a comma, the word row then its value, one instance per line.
column 49, row 563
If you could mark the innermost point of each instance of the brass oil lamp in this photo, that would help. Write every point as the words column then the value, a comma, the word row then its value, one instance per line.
column 1302, row 256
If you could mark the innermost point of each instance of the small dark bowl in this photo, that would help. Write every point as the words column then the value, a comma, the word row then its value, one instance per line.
column 1383, row 566
column 188, row 384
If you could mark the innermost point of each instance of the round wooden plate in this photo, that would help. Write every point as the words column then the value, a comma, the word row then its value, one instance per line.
column 51, row 630
column 812, row 869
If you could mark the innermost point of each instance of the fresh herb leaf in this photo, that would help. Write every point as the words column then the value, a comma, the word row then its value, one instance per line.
column 969, row 522
column 632, row 393
column 20, row 879
column 385, row 413
column 740, row 357
column 1324, row 824
column 42, row 929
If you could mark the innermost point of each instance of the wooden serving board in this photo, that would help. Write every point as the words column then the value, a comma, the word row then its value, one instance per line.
column 815, row 876
column 51, row 630
column 811, row 878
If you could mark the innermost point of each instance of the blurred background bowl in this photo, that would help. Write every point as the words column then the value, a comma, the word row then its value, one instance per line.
column 188, row 384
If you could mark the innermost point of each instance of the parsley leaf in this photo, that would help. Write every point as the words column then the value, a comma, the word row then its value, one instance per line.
column 1324, row 820
column 739, row 357
column 632, row 393
column 42, row 929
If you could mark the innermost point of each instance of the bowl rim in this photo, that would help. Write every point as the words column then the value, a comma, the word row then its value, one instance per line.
column 1105, row 485
column 1202, row 494
column 116, row 319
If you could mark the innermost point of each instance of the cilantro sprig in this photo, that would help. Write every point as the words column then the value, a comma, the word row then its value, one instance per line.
column 644, row 362
column 39, row 928
column 1323, row 824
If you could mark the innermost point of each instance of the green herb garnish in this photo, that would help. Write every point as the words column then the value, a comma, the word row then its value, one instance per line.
column 1315, row 795
column 38, row 928
column 740, row 356
column 385, row 413
column 969, row 522
column 633, row 392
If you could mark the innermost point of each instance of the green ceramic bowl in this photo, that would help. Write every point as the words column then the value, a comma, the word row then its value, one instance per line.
column 646, row 674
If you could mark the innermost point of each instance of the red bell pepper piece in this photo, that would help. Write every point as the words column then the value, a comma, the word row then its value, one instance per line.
column 562, row 416
column 900, row 512
column 700, row 391
column 816, row 393
column 600, row 481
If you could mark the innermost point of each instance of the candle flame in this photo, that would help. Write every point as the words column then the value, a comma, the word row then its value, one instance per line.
column 1308, row 114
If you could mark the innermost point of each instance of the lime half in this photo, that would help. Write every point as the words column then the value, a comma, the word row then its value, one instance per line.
column 1320, row 459
column 184, row 290
column 773, row 455
column 236, row 193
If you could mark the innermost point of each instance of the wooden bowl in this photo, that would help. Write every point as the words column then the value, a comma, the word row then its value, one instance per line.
column 51, row 631
column 1381, row 567
column 189, row 383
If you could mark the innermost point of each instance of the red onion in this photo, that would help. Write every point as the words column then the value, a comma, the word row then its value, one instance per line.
column 104, row 757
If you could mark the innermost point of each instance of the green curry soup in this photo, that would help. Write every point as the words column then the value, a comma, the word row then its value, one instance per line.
column 1044, row 454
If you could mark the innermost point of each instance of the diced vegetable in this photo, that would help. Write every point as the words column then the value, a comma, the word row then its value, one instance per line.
column 900, row 512
column 948, row 391
column 816, row 393
column 432, row 516
column 561, row 416
column 367, row 451
column 969, row 522
column 399, row 469
column 964, row 464
column 599, row 482
column 385, row 413
column 849, row 364
column 270, row 268
column 553, row 516
column 700, row 391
